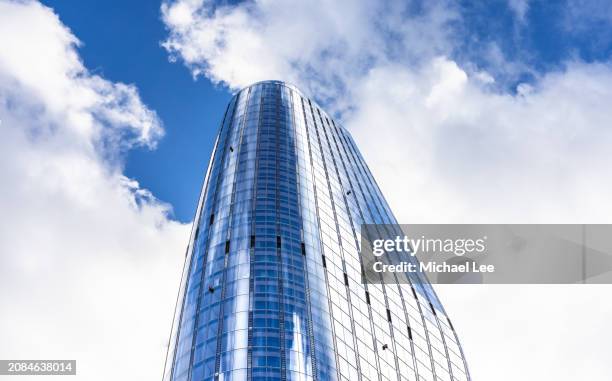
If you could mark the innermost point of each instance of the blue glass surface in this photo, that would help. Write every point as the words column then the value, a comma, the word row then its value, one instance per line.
column 272, row 287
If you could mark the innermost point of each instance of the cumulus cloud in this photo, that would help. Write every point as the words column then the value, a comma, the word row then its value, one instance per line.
column 89, row 260
column 447, row 140
column 457, row 152
column 326, row 47
column 458, row 145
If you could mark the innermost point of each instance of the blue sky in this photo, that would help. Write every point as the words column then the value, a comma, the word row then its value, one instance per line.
column 121, row 41
column 548, row 34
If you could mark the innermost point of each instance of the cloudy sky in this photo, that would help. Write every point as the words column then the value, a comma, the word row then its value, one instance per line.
column 494, row 112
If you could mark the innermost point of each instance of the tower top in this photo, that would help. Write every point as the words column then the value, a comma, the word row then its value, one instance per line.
column 278, row 82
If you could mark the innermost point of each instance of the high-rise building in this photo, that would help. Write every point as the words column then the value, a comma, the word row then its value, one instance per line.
column 272, row 288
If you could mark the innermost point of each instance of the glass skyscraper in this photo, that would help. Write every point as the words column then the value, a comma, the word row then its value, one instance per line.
column 271, row 288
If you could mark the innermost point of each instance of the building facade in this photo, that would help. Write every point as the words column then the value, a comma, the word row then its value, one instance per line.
column 271, row 288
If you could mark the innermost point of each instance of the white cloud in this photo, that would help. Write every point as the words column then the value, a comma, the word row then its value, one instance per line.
column 520, row 9
column 446, row 144
column 89, row 261
column 457, row 152
column 532, row 332
column 337, row 40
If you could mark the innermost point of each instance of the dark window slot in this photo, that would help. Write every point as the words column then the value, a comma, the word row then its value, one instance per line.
column 409, row 333
column 346, row 279
column 278, row 241
column 303, row 249
column 389, row 315
column 211, row 289
column 367, row 297
column 432, row 308
column 252, row 241
column 197, row 232
column 324, row 261
column 212, row 218
column 414, row 292
column 227, row 246
column 449, row 323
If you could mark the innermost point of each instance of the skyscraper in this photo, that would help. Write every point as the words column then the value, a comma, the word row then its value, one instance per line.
column 271, row 288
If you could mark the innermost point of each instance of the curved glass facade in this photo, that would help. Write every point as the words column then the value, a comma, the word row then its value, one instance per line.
column 271, row 287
